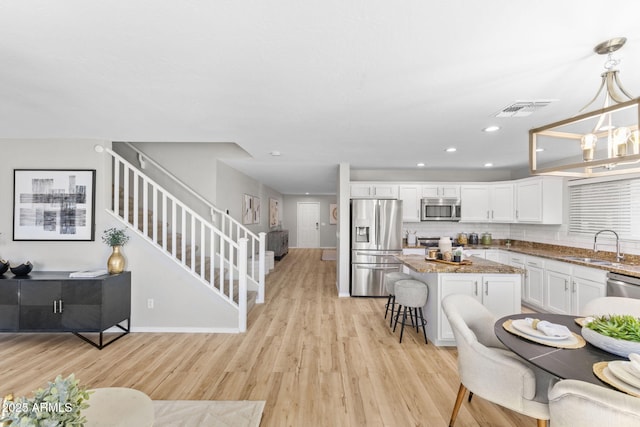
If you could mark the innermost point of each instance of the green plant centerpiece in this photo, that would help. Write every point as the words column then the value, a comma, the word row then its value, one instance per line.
column 60, row 404
column 115, row 237
column 618, row 326
column 616, row 333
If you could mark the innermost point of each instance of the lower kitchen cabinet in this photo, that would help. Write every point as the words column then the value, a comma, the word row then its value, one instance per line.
column 54, row 302
column 534, row 282
column 500, row 293
column 570, row 287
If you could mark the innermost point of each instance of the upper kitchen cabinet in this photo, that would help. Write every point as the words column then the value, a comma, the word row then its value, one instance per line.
column 410, row 196
column 487, row 202
column 441, row 191
column 539, row 200
column 371, row 190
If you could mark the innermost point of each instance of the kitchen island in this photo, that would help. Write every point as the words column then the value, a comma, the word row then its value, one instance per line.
column 497, row 286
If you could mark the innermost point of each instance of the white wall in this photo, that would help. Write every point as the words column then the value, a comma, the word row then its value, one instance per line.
column 232, row 185
column 327, row 231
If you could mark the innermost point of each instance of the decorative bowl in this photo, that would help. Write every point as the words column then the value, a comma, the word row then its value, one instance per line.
column 4, row 266
column 611, row 345
column 22, row 269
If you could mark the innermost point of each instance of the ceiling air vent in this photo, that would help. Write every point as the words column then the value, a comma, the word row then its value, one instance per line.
column 523, row 108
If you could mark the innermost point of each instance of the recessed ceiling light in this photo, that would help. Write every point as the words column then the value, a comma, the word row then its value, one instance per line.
column 539, row 150
column 451, row 149
column 491, row 128
column 275, row 153
column 420, row 165
column 488, row 165
column 306, row 194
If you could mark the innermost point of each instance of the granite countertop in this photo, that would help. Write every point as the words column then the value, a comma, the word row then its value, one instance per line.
column 419, row 264
column 630, row 266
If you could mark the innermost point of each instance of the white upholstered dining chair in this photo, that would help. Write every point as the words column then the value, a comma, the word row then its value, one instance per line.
column 612, row 305
column 487, row 369
column 578, row 403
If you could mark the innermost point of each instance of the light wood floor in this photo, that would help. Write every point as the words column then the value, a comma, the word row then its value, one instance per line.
column 316, row 359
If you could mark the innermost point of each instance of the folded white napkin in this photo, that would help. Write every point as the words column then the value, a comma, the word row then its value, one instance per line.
column 548, row 328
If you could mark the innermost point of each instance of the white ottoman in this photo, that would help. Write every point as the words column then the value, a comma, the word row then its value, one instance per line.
column 118, row 407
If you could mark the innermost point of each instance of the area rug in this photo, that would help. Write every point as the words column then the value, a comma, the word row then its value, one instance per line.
column 208, row 413
column 328, row 255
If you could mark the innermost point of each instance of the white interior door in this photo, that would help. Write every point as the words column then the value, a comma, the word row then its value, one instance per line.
column 308, row 225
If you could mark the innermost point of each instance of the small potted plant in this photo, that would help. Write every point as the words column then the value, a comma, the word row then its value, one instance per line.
column 59, row 404
column 116, row 238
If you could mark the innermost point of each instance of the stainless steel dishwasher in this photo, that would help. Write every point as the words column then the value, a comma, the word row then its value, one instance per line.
column 619, row 285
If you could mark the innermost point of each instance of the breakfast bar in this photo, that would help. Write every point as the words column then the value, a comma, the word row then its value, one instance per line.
column 497, row 286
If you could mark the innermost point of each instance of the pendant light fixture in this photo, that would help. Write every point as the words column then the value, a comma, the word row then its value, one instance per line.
column 602, row 142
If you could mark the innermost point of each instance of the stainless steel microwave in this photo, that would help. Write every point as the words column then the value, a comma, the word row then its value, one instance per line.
column 435, row 209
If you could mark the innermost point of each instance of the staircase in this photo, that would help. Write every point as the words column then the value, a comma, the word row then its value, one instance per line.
column 220, row 253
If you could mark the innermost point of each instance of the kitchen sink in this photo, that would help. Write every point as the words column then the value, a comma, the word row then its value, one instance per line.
column 588, row 260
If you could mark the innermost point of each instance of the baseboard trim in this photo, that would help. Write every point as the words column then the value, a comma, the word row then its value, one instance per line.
column 184, row 330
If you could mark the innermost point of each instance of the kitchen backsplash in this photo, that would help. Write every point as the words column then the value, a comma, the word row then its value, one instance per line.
column 550, row 234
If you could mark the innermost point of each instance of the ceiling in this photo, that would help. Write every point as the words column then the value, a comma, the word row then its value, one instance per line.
column 372, row 83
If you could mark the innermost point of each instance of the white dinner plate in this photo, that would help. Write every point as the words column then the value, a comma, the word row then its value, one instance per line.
column 618, row 383
column 620, row 369
column 522, row 326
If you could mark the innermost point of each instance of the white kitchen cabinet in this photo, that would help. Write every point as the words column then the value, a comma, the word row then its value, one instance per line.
column 497, row 255
column 487, row 202
column 534, row 281
column 502, row 202
column 517, row 260
column 570, row 287
column 557, row 283
column 410, row 196
column 374, row 190
column 451, row 191
column 588, row 284
column 539, row 200
column 474, row 202
column 500, row 293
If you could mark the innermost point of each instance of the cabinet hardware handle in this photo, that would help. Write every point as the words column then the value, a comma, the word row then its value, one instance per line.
column 487, row 214
column 517, row 214
column 492, row 214
column 486, row 288
column 566, row 283
column 476, row 291
column 55, row 306
column 60, row 305
column 573, row 282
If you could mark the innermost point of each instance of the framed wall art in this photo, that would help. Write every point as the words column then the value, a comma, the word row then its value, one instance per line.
column 54, row 204
column 247, row 209
column 274, row 212
column 256, row 210
column 333, row 213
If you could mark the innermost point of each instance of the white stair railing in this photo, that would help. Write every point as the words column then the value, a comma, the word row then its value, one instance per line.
column 217, row 257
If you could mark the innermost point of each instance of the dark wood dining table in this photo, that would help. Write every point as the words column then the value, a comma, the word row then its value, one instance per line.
column 564, row 363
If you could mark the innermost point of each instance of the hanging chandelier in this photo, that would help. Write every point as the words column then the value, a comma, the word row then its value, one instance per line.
column 601, row 142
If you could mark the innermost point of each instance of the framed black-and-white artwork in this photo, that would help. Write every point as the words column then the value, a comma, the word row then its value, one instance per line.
column 256, row 209
column 54, row 204
column 247, row 209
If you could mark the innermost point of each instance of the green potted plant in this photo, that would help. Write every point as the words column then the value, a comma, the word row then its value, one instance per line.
column 616, row 333
column 59, row 404
column 116, row 238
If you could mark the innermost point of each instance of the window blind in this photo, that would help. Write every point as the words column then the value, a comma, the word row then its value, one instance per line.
column 613, row 205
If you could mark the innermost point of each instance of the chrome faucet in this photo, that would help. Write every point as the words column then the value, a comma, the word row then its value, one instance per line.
column 619, row 256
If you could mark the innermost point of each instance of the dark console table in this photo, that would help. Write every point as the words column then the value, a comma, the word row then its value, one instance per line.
column 51, row 301
column 278, row 242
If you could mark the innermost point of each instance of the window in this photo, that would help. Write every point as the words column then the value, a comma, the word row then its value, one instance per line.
column 613, row 205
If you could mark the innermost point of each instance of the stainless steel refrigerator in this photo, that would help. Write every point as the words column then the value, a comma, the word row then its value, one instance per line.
column 376, row 236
